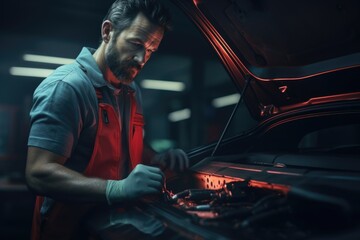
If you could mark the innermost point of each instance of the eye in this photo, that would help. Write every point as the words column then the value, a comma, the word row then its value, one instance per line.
column 139, row 45
column 136, row 45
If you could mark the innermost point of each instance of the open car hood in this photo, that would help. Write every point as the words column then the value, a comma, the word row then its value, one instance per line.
column 293, row 53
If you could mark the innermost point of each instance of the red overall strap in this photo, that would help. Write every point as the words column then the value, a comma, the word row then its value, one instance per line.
column 135, row 133
column 105, row 160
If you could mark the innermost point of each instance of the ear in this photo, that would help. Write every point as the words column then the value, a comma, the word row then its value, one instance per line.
column 106, row 29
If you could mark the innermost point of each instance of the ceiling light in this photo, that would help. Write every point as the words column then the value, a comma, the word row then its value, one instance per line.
column 30, row 72
column 163, row 85
column 47, row 59
column 180, row 115
column 226, row 100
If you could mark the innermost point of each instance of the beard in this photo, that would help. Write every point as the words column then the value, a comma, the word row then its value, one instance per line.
column 124, row 71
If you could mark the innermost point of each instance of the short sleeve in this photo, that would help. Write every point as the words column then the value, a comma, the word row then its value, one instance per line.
column 55, row 118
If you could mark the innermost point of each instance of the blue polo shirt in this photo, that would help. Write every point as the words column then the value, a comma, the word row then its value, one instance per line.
column 64, row 114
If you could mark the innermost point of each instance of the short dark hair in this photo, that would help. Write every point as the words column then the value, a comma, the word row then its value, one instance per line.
column 123, row 12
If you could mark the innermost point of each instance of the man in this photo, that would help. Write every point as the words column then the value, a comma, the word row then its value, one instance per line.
column 86, row 142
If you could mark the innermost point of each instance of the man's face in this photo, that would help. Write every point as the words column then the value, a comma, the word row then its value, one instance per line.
column 127, row 53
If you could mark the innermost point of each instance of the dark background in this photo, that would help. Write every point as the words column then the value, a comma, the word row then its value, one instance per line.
column 62, row 28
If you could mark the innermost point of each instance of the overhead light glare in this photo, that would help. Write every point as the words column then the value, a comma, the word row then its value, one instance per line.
column 47, row 59
column 163, row 85
column 30, row 72
column 180, row 115
column 226, row 100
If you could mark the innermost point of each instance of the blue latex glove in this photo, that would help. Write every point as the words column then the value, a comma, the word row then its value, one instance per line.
column 174, row 159
column 143, row 180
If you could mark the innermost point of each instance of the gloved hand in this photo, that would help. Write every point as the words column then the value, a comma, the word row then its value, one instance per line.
column 143, row 180
column 174, row 159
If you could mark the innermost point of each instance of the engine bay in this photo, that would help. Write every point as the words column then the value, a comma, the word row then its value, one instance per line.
column 283, row 204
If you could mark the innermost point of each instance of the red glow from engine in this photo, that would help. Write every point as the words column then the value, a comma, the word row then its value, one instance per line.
column 216, row 182
column 247, row 169
column 272, row 186
column 235, row 167
column 283, row 173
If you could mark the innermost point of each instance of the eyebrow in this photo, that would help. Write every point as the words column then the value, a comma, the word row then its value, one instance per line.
column 143, row 43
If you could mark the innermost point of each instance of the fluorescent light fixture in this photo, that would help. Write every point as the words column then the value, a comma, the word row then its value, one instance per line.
column 160, row 145
column 163, row 85
column 47, row 59
column 226, row 100
column 30, row 72
column 180, row 115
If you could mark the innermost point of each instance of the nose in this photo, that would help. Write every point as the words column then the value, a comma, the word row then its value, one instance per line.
column 141, row 57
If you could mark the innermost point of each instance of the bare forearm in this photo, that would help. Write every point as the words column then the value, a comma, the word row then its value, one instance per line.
column 46, row 175
column 59, row 182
